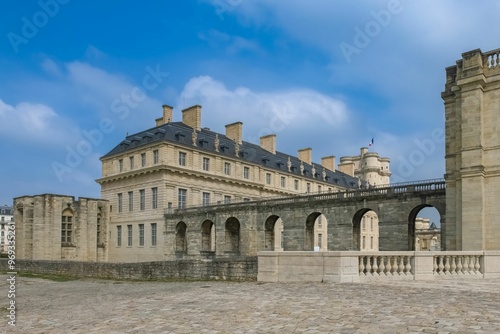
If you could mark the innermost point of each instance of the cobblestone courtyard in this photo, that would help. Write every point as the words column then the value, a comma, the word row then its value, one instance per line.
column 105, row 306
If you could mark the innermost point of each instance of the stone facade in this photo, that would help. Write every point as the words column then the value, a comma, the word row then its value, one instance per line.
column 6, row 217
column 428, row 236
column 56, row 227
column 472, row 98
column 367, row 166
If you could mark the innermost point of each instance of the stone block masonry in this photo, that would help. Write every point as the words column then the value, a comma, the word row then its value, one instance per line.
column 236, row 269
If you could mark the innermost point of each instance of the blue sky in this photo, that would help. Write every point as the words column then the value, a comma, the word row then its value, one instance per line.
column 329, row 75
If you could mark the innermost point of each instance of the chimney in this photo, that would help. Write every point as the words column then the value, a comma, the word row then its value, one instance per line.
column 234, row 131
column 364, row 150
column 167, row 115
column 328, row 162
column 305, row 155
column 346, row 166
column 268, row 143
column 192, row 117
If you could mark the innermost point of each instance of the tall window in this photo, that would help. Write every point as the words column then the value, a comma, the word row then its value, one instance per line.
column 153, row 234
column 143, row 159
column 154, row 195
column 319, row 189
column 227, row 168
column 371, row 224
column 296, row 184
column 206, row 198
column 246, row 172
column 227, row 199
column 120, row 165
column 129, row 235
column 120, row 202
column 364, row 223
column 206, row 164
column 131, row 163
column 371, row 242
column 283, row 182
column 142, row 199
column 119, row 235
column 182, row 159
column 268, row 178
column 364, row 242
column 67, row 226
column 182, row 198
column 308, row 187
column 141, row 234
column 99, row 232
column 130, row 201
column 156, row 157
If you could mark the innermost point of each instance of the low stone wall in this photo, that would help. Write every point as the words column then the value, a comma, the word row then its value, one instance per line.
column 239, row 269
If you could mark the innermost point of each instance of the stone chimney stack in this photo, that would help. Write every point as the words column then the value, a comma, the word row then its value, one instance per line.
column 328, row 162
column 268, row 143
column 167, row 115
column 234, row 131
column 192, row 117
column 305, row 155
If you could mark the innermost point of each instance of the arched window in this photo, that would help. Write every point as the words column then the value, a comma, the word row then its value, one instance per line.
column 67, row 226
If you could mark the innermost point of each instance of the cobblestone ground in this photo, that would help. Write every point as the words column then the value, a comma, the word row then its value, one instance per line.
column 105, row 306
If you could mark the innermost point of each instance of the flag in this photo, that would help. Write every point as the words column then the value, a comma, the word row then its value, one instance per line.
column 370, row 143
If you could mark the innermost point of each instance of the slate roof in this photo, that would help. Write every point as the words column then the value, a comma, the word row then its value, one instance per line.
column 8, row 210
column 181, row 134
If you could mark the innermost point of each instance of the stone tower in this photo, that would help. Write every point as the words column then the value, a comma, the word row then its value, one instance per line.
column 472, row 110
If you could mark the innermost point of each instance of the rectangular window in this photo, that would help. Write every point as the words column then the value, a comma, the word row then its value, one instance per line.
column 206, row 199
column 130, row 201
column 296, row 184
column 319, row 189
column 206, row 164
column 283, row 182
column 141, row 234
column 98, row 237
column 371, row 242
column 66, row 229
column 120, row 164
column 142, row 199
column 227, row 168
column 129, row 234
column 364, row 244
column 154, row 196
column 308, row 187
column 182, row 159
column 143, row 160
column 119, row 236
column 371, row 224
column 246, row 173
column 156, row 157
column 181, row 198
column 246, row 199
column 268, row 178
column 131, row 163
column 320, row 238
column 153, row 234
column 227, row 199
column 120, row 202
column 364, row 224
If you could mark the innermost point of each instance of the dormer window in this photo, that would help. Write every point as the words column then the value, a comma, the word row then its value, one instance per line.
column 203, row 143
column 280, row 164
column 265, row 160
column 243, row 154
column 224, row 148
column 179, row 136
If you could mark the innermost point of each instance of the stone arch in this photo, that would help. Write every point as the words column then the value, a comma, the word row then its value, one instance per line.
column 208, row 236
column 412, row 239
column 232, row 235
column 273, row 228
column 357, row 226
column 180, row 238
column 316, row 232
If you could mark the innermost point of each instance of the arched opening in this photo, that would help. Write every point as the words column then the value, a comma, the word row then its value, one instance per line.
column 273, row 239
column 208, row 236
column 365, row 231
column 424, row 228
column 316, row 234
column 232, row 235
column 180, row 238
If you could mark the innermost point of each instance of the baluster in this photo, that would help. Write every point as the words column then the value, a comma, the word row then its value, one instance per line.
column 368, row 266
column 408, row 266
column 381, row 267
column 477, row 266
column 453, row 266
column 375, row 266
column 434, row 265
column 361, row 265
column 401, row 266
column 441, row 266
column 388, row 267
column 459, row 265
column 447, row 265
column 465, row 266
column 472, row 265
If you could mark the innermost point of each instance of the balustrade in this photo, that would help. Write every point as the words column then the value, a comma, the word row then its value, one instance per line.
column 385, row 265
column 457, row 265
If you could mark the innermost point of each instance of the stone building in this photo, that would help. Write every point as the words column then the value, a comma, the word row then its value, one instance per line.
column 56, row 227
column 182, row 164
column 427, row 235
column 6, row 217
column 471, row 98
